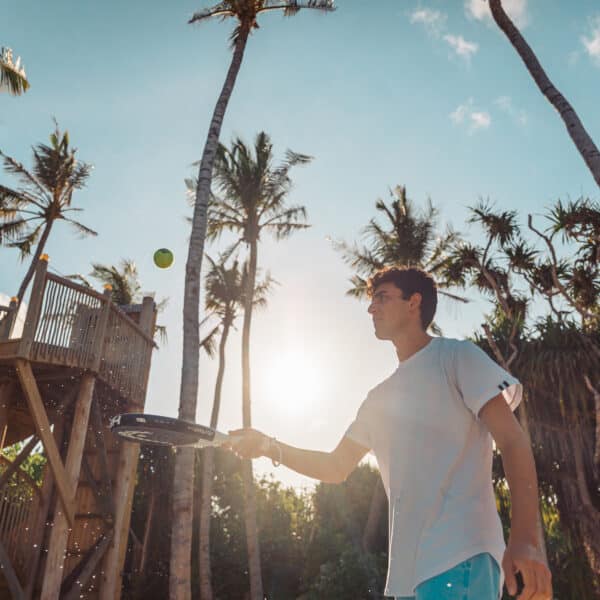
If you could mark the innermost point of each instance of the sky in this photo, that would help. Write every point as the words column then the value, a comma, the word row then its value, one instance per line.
column 428, row 94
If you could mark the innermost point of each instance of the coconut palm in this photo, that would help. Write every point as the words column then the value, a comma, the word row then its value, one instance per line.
column 225, row 289
column 582, row 140
column 28, row 212
column 12, row 74
column 250, row 200
column 406, row 239
column 246, row 13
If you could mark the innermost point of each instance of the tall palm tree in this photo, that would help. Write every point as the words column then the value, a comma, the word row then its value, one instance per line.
column 225, row 290
column 12, row 74
column 246, row 13
column 250, row 200
column 28, row 212
column 582, row 140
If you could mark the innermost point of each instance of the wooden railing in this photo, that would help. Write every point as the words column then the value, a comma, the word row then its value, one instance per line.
column 125, row 356
column 72, row 325
column 19, row 502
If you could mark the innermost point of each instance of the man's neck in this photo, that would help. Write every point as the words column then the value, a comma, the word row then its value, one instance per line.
column 410, row 343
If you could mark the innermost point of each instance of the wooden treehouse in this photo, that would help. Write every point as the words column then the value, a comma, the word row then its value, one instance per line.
column 79, row 360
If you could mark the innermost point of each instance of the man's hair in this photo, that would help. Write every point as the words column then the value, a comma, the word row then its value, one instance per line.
column 409, row 281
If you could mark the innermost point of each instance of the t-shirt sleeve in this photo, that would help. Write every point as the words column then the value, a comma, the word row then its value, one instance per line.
column 359, row 430
column 479, row 378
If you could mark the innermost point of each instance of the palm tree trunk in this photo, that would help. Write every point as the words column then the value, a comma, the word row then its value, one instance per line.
column 252, row 543
column 208, row 468
column 181, row 530
column 36, row 257
column 584, row 143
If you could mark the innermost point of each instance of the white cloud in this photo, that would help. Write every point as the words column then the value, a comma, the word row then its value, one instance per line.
column 505, row 104
column 463, row 48
column 475, row 118
column 480, row 120
column 515, row 9
column 592, row 43
column 434, row 21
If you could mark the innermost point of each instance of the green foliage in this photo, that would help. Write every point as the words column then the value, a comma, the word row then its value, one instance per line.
column 33, row 465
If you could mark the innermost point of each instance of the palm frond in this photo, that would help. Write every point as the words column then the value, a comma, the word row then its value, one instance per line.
column 81, row 229
column 12, row 74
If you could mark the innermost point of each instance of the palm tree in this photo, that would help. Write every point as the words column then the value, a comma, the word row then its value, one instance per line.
column 406, row 239
column 246, row 13
column 28, row 213
column 582, row 140
column 12, row 74
column 252, row 200
column 225, row 289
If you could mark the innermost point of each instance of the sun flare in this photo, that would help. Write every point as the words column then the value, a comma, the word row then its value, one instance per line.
column 294, row 382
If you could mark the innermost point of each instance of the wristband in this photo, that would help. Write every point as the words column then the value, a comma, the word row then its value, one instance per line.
column 273, row 442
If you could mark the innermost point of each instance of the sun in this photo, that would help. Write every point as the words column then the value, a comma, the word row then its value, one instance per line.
column 293, row 383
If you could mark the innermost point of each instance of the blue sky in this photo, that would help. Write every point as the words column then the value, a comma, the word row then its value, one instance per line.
column 428, row 94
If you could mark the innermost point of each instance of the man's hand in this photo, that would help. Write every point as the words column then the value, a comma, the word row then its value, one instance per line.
column 529, row 561
column 248, row 443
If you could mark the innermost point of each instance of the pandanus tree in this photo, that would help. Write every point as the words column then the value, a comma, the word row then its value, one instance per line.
column 556, row 357
column 12, row 74
column 581, row 138
column 45, row 195
column 226, row 287
column 245, row 13
column 251, row 200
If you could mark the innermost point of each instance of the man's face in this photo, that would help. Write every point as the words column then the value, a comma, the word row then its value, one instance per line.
column 391, row 313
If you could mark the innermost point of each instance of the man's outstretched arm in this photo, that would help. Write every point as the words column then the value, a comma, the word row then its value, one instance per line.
column 330, row 467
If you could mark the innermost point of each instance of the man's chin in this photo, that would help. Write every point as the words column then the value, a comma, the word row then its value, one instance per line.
column 380, row 335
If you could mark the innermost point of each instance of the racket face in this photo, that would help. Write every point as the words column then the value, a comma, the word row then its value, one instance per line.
column 160, row 431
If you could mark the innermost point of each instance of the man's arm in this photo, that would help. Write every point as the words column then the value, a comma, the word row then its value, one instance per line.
column 524, row 550
column 330, row 467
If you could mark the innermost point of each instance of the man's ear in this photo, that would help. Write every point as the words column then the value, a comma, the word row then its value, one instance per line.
column 415, row 300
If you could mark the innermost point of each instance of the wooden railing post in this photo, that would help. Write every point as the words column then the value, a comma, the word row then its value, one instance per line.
column 7, row 324
column 34, row 308
column 99, row 338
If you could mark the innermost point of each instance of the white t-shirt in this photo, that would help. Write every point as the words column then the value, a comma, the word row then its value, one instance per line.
column 435, row 458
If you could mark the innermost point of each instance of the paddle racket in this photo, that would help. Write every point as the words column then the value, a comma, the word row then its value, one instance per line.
column 165, row 431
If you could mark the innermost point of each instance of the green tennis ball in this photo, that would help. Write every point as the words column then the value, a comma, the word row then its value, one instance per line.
column 163, row 258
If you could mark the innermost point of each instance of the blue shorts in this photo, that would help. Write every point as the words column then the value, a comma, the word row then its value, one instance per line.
column 477, row 578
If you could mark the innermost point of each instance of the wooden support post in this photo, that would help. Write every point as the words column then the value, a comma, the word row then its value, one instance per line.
column 4, row 391
column 53, row 572
column 34, row 308
column 110, row 588
column 14, row 585
column 42, row 426
column 89, row 565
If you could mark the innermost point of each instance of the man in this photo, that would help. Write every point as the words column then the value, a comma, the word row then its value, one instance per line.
column 430, row 425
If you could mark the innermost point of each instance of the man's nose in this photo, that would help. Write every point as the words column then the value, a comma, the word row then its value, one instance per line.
column 371, row 308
